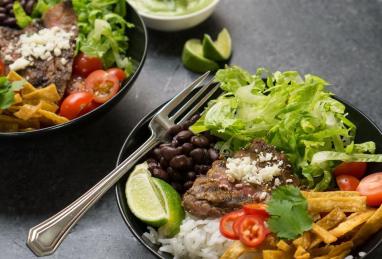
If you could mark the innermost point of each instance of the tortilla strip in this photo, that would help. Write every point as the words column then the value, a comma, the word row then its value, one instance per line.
column 310, row 195
column 273, row 254
column 372, row 225
column 346, row 204
column 332, row 219
column 323, row 234
column 351, row 223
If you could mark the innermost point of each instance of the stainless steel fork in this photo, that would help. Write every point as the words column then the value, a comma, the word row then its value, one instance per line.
column 46, row 237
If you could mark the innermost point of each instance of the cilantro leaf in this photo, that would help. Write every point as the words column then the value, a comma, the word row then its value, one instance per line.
column 288, row 211
column 7, row 91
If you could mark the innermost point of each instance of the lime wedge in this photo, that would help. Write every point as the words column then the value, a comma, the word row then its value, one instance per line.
column 192, row 57
column 173, row 204
column 219, row 50
column 143, row 199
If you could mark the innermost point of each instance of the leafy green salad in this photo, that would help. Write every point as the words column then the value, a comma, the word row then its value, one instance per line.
column 296, row 114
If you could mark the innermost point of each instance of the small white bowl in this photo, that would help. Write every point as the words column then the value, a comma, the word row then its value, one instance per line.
column 177, row 22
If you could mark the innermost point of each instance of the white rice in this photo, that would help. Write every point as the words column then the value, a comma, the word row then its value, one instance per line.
column 197, row 239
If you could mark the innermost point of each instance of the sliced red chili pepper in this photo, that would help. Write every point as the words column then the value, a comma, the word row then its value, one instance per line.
column 252, row 231
column 256, row 209
column 226, row 224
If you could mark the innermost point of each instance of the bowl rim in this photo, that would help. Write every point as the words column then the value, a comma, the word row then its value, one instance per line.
column 126, row 86
column 146, row 118
column 177, row 17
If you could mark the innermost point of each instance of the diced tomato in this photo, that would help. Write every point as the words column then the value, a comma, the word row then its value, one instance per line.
column 347, row 182
column 74, row 104
column 356, row 169
column 226, row 224
column 2, row 68
column 252, row 231
column 102, row 85
column 256, row 209
column 119, row 73
column 83, row 65
column 371, row 186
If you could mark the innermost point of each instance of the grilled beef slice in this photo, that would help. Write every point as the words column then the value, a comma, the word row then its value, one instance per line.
column 57, row 70
column 216, row 193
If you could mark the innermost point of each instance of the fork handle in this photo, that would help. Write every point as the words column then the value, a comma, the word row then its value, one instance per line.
column 45, row 238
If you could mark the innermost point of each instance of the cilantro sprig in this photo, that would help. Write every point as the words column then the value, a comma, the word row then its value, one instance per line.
column 288, row 211
column 7, row 91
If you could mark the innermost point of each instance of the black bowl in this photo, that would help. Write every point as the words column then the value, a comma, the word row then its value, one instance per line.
column 138, row 39
column 366, row 130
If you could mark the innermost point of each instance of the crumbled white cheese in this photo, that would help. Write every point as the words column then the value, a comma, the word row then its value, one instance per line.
column 44, row 44
column 277, row 182
column 362, row 254
column 289, row 181
column 245, row 169
column 349, row 257
column 265, row 157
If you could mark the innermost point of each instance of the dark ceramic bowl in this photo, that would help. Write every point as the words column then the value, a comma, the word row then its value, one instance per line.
column 137, row 51
column 366, row 130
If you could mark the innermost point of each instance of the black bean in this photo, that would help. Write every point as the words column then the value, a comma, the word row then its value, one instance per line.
column 177, row 186
column 187, row 148
column 10, row 21
column 174, row 143
column 169, row 152
column 199, row 155
column 164, row 145
column 191, row 176
column 152, row 166
column 173, row 130
column 2, row 16
column 186, row 124
column 2, row 9
column 156, row 153
column 180, row 162
column 150, row 160
column 160, row 173
column 29, row 6
column 194, row 118
column 213, row 154
column 174, row 175
column 9, row 6
column 200, row 141
column 163, row 162
column 187, row 185
column 210, row 137
column 201, row 169
column 184, row 136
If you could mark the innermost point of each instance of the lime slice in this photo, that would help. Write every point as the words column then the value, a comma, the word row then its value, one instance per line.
column 174, row 208
column 219, row 50
column 143, row 199
column 192, row 57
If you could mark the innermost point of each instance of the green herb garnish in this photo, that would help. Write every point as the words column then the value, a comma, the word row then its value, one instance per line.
column 7, row 91
column 288, row 211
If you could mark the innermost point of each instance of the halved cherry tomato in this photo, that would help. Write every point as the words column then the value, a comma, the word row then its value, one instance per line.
column 102, row 85
column 2, row 68
column 226, row 224
column 371, row 186
column 347, row 182
column 256, row 209
column 356, row 169
column 89, row 108
column 252, row 231
column 76, row 84
column 119, row 73
column 83, row 65
column 74, row 104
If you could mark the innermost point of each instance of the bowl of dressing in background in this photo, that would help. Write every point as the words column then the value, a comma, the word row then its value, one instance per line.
column 173, row 15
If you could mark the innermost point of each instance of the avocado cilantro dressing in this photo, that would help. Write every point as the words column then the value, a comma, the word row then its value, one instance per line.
column 169, row 7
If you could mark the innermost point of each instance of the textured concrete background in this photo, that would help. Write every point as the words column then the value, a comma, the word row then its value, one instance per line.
column 339, row 40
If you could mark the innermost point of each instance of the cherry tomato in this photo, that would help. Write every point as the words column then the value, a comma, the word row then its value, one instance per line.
column 252, row 231
column 119, row 73
column 226, row 224
column 256, row 209
column 89, row 108
column 83, row 65
column 371, row 186
column 356, row 169
column 76, row 84
column 347, row 182
column 74, row 104
column 102, row 85
column 2, row 68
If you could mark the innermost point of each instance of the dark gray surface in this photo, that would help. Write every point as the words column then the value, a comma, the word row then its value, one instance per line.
column 338, row 40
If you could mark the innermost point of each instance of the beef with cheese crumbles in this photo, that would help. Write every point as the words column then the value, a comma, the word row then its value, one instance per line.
column 43, row 52
column 249, row 176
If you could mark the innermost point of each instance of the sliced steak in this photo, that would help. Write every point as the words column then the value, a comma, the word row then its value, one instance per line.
column 58, row 69
column 217, row 193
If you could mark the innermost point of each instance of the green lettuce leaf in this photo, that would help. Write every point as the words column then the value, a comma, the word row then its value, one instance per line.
column 22, row 18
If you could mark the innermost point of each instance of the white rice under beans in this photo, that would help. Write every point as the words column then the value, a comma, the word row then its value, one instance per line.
column 197, row 239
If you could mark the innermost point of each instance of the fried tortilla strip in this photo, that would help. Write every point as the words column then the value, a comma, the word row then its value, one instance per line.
column 332, row 219
column 5, row 119
column 235, row 250
column 27, row 88
column 323, row 234
column 319, row 251
column 310, row 195
column 273, row 254
column 352, row 223
column 283, row 246
column 372, row 225
column 303, row 241
column 346, row 204
column 301, row 253
column 27, row 112
column 52, row 118
column 48, row 93
column 338, row 250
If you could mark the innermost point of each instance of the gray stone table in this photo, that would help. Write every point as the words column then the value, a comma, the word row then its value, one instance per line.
column 340, row 40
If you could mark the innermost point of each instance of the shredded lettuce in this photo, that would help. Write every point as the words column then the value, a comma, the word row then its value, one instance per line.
column 102, row 31
column 296, row 114
column 22, row 18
